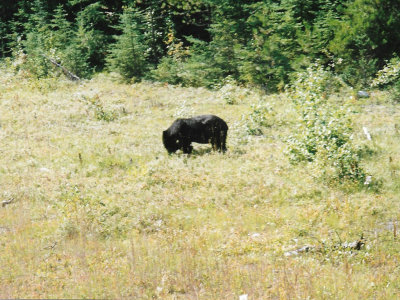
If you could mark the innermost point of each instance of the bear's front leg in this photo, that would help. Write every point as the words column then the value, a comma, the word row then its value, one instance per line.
column 187, row 149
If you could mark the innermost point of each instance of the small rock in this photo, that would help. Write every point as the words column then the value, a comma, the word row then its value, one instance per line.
column 362, row 94
column 391, row 225
column 367, row 134
column 255, row 235
column 4, row 229
column 291, row 253
column 243, row 297
column 356, row 245
column 300, row 250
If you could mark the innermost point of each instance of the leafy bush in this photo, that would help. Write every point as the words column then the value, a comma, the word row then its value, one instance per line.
column 100, row 112
column 324, row 133
column 168, row 70
column 260, row 117
column 389, row 76
column 84, row 214
column 231, row 93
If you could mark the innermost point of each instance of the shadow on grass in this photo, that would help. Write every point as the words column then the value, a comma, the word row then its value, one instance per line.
column 198, row 152
column 202, row 151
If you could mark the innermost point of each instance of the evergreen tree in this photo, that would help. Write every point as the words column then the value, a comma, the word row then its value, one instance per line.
column 128, row 54
column 268, row 57
column 67, row 49
column 37, row 42
column 156, row 24
column 366, row 36
column 61, row 27
column 3, row 40
column 9, row 28
column 77, row 53
column 91, row 39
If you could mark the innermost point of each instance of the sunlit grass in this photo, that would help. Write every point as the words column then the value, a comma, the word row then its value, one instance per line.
column 100, row 210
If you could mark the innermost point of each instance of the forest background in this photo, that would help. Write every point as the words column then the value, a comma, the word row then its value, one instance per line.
column 201, row 42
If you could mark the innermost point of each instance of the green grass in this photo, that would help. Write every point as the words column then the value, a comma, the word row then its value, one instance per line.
column 100, row 210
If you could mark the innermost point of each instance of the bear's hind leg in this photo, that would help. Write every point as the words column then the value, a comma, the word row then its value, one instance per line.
column 223, row 141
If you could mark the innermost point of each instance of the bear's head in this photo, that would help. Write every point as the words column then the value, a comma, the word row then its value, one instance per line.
column 171, row 143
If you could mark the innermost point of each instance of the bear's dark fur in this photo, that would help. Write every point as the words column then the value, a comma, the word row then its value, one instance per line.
column 202, row 129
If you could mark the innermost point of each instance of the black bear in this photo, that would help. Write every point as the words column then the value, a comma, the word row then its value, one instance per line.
column 202, row 129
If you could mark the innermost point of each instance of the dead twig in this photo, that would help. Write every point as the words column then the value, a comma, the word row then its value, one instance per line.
column 6, row 202
column 69, row 74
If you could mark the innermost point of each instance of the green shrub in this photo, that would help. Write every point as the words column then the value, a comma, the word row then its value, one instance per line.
column 100, row 112
column 324, row 133
column 83, row 214
column 261, row 116
column 389, row 77
column 168, row 70
column 231, row 93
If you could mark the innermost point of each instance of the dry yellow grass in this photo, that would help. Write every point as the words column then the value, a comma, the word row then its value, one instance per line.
column 100, row 210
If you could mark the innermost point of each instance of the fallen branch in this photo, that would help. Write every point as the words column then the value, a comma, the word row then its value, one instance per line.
column 69, row 74
column 6, row 202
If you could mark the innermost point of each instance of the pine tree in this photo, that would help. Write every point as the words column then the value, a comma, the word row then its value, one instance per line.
column 62, row 29
column 65, row 45
column 91, row 34
column 366, row 37
column 37, row 42
column 128, row 54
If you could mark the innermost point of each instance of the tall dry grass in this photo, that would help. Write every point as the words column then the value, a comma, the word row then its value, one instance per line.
column 100, row 210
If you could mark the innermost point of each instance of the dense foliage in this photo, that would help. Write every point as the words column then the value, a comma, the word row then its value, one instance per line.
column 324, row 133
column 200, row 43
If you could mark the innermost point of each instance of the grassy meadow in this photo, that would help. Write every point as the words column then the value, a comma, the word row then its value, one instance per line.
column 94, row 207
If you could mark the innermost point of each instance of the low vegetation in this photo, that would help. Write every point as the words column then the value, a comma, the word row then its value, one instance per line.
column 94, row 207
